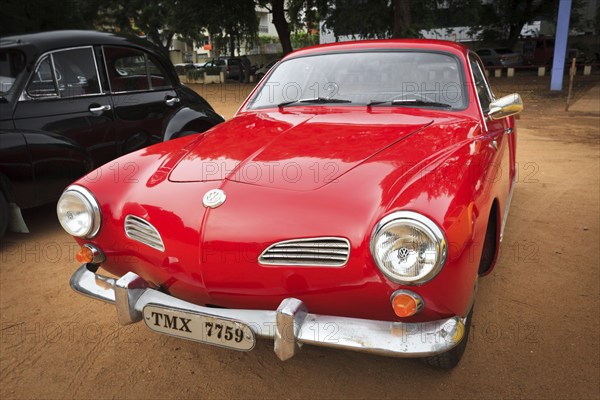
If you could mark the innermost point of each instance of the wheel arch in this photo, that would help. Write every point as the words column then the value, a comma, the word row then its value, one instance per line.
column 491, row 245
column 189, row 120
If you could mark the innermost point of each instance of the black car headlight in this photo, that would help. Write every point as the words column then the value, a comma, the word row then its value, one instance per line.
column 408, row 248
column 78, row 212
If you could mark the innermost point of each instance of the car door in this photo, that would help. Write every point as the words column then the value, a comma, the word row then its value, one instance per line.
column 498, row 134
column 65, row 100
column 143, row 94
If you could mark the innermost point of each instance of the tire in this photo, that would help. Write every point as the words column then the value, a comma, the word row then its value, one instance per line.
column 450, row 359
column 489, row 246
column 3, row 214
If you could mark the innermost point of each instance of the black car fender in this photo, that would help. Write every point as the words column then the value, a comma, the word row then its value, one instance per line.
column 35, row 169
column 188, row 120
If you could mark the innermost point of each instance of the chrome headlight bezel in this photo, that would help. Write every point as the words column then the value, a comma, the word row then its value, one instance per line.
column 91, row 206
column 426, row 226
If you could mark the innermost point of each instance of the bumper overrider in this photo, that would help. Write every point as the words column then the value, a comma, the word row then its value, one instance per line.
column 290, row 326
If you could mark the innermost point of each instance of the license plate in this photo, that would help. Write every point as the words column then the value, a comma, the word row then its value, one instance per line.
column 199, row 327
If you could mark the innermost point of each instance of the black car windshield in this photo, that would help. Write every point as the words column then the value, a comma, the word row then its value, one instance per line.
column 366, row 78
column 12, row 63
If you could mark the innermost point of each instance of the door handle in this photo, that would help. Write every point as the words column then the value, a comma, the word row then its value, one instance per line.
column 171, row 101
column 94, row 108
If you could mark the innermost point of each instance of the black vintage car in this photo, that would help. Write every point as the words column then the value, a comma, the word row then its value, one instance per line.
column 71, row 101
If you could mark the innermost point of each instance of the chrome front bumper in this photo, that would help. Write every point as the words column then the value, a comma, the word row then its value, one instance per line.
column 290, row 326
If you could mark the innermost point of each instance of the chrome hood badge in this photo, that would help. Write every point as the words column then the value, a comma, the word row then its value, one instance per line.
column 214, row 198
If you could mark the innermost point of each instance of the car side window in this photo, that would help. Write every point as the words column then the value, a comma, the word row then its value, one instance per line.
column 158, row 77
column 483, row 90
column 131, row 70
column 65, row 73
column 42, row 83
column 484, row 53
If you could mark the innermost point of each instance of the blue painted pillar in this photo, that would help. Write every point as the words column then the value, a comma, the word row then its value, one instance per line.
column 560, row 44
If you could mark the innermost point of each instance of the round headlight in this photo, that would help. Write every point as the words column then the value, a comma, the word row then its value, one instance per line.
column 408, row 248
column 78, row 212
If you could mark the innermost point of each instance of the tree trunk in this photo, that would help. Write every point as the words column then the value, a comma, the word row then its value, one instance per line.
column 232, row 44
column 281, row 24
column 401, row 18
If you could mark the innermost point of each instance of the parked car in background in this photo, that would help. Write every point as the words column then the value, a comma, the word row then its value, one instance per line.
column 71, row 101
column 262, row 71
column 499, row 57
column 353, row 202
column 183, row 68
column 538, row 51
column 578, row 55
column 230, row 66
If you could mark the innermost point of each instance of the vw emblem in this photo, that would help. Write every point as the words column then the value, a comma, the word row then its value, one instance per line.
column 214, row 198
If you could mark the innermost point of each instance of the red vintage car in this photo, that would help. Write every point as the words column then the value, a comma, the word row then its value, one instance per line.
column 353, row 202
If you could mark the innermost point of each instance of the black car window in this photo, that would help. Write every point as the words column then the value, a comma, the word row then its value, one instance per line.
column 483, row 91
column 42, row 83
column 484, row 52
column 65, row 73
column 158, row 77
column 131, row 70
column 12, row 64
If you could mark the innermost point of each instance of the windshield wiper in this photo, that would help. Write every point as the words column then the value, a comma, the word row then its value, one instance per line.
column 315, row 100
column 415, row 102
column 410, row 102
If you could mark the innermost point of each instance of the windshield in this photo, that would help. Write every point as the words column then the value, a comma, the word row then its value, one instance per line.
column 362, row 78
column 12, row 63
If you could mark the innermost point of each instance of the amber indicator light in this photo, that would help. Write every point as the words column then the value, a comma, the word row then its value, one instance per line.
column 405, row 305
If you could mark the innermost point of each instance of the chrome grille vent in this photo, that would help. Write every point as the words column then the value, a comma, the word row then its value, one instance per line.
column 318, row 252
column 142, row 231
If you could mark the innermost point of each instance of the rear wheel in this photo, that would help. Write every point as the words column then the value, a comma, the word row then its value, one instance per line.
column 450, row 359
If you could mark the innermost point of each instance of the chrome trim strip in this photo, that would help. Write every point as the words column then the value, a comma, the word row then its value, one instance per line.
column 142, row 231
column 296, row 326
column 326, row 251
column 506, row 207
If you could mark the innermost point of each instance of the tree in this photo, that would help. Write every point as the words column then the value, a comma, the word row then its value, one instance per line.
column 161, row 20
column 402, row 24
column 366, row 19
column 505, row 19
column 18, row 16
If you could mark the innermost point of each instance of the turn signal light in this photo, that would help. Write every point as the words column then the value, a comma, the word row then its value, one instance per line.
column 84, row 255
column 406, row 303
column 89, row 254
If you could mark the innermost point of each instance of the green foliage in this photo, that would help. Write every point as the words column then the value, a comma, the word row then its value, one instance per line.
column 302, row 39
column 363, row 18
column 19, row 16
column 160, row 20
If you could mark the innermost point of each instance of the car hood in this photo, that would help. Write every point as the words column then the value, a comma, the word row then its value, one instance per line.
column 293, row 151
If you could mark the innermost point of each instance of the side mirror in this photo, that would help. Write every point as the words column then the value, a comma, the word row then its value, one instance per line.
column 506, row 106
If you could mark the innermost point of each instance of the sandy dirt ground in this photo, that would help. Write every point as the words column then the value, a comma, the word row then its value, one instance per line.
column 535, row 328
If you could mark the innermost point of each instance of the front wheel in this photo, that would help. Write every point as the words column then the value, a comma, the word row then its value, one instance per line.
column 451, row 358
